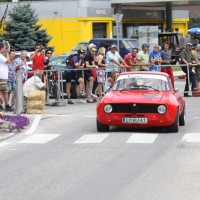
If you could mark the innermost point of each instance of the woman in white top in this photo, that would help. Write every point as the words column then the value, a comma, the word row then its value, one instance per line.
column 101, row 63
column 21, row 64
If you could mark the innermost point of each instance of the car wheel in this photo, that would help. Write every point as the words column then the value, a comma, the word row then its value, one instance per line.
column 102, row 127
column 175, row 126
column 182, row 118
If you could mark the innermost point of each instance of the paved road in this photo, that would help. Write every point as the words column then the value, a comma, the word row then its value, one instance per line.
column 64, row 158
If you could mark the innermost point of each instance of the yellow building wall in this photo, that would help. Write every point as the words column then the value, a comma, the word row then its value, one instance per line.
column 181, row 24
column 67, row 32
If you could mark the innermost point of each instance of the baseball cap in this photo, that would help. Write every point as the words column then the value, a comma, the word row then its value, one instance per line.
column 81, row 51
column 189, row 44
column 91, row 45
column 113, row 46
column 145, row 45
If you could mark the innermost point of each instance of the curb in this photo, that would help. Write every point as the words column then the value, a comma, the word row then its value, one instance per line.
column 5, row 136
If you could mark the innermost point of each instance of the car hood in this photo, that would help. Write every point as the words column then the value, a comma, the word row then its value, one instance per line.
column 136, row 97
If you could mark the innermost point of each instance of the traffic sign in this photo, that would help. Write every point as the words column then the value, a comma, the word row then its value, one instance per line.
column 118, row 17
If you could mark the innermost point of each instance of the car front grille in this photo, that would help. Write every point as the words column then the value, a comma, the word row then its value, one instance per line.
column 135, row 108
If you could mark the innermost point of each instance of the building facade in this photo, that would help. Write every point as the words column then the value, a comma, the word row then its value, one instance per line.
column 69, row 22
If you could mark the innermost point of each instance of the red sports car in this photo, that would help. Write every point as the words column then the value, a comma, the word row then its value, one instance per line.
column 141, row 100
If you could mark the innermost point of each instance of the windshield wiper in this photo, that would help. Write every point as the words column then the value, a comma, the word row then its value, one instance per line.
column 124, row 89
column 148, row 86
column 145, row 86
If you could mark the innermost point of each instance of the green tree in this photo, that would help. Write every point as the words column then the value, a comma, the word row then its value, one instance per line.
column 22, row 30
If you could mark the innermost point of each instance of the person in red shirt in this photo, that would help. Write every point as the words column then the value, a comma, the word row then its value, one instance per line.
column 38, row 58
column 131, row 59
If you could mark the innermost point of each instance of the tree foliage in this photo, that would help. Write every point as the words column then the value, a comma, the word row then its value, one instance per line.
column 22, row 30
column 194, row 22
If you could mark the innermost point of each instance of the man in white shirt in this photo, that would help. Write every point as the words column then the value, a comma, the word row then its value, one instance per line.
column 4, row 61
column 33, row 83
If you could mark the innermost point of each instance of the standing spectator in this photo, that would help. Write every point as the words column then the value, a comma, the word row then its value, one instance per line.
column 38, row 58
column 4, row 61
column 131, row 59
column 166, row 60
column 101, row 63
column 21, row 64
column 47, row 66
column 76, row 61
column 114, row 60
column 187, row 59
column 12, row 80
column 94, row 72
column 155, row 58
column 143, row 57
column 88, row 75
column 197, row 68
column 79, row 73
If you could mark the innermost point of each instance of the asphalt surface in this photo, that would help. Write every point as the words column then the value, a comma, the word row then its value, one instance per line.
column 61, row 156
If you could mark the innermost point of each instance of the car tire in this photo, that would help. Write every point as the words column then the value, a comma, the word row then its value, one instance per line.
column 182, row 118
column 102, row 127
column 175, row 126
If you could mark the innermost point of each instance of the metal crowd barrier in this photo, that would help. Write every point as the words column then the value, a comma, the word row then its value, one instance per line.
column 60, row 94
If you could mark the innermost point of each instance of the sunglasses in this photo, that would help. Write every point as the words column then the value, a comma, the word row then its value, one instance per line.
column 134, row 51
column 94, row 51
column 49, row 53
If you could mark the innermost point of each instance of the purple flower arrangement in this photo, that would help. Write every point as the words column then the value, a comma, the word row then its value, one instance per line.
column 13, row 122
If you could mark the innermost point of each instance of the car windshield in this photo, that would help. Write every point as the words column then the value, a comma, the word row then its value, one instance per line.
column 81, row 45
column 129, row 44
column 58, row 61
column 142, row 82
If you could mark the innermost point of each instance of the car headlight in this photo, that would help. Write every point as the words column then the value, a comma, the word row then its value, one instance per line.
column 108, row 108
column 161, row 109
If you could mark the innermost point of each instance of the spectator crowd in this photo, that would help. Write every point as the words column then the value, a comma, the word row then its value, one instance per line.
column 101, row 67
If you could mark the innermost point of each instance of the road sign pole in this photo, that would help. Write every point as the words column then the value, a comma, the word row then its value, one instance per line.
column 118, row 19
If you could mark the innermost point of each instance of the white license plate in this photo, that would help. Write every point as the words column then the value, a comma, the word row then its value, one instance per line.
column 136, row 120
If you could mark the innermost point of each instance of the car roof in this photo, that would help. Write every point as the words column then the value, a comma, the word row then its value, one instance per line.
column 146, row 72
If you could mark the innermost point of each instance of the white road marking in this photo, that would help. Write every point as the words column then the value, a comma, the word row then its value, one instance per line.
column 39, row 138
column 191, row 137
column 93, row 138
column 142, row 138
column 90, row 116
column 34, row 125
column 2, row 144
column 58, row 115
